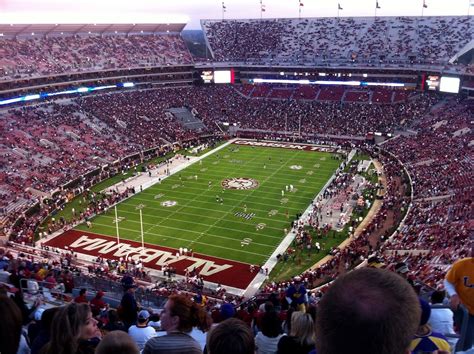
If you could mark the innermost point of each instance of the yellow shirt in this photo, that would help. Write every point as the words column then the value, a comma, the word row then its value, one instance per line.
column 461, row 275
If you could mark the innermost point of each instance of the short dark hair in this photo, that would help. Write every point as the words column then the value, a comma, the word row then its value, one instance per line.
column 271, row 324
column 373, row 310
column 438, row 296
column 231, row 336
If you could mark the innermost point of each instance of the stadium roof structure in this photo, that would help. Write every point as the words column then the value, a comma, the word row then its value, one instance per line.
column 14, row 30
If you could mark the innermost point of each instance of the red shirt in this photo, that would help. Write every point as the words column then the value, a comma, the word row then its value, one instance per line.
column 81, row 299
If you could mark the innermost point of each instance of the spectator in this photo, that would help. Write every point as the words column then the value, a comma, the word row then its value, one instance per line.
column 367, row 311
column 81, row 298
column 26, row 312
column 178, row 318
column 98, row 304
column 266, row 341
column 301, row 338
column 128, row 305
column 425, row 339
column 226, row 311
column 459, row 284
column 35, row 326
column 296, row 295
column 117, row 342
column 4, row 274
column 231, row 336
column 44, row 334
column 142, row 332
column 11, row 339
column 441, row 319
column 113, row 322
column 74, row 331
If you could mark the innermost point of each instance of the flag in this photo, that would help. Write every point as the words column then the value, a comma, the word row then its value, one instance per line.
column 263, row 8
column 301, row 4
column 424, row 4
column 223, row 6
column 339, row 7
column 377, row 6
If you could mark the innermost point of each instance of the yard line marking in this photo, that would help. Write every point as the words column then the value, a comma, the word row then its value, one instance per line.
column 236, row 221
column 264, row 211
column 199, row 232
column 186, row 240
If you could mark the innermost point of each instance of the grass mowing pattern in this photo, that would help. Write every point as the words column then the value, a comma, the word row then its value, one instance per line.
column 199, row 222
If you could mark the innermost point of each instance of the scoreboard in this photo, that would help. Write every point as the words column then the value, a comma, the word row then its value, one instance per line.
column 218, row 76
column 448, row 84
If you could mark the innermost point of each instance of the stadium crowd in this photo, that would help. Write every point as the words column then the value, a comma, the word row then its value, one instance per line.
column 45, row 56
column 288, row 322
column 45, row 146
column 428, row 170
column 438, row 220
column 393, row 40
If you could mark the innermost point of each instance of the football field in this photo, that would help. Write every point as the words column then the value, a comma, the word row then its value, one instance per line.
column 233, row 204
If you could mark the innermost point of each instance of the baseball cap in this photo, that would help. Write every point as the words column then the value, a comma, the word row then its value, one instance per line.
column 401, row 268
column 143, row 315
column 227, row 311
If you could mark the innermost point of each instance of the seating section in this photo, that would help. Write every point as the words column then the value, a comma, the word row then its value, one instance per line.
column 340, row 40
column 22, row 58
column 45, row 146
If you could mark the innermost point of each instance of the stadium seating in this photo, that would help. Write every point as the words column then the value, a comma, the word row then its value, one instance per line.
column 44, row 146
column 45, row 56
column 392, row 40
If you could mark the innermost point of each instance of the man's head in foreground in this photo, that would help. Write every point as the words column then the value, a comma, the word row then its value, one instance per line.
column 367, row 311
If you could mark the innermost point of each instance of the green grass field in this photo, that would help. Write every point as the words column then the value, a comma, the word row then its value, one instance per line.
column 210, row 227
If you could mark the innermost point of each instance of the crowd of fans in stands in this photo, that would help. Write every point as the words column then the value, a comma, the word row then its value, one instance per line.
column 43, row 147
column 400, row 40
column 46, row 146
column 44, row 56
column 288, row 322
column 434, row 174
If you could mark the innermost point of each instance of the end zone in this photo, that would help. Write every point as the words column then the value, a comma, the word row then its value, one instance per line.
column 215, row 270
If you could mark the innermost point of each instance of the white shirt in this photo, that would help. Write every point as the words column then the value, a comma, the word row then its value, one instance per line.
column 441, row 320
column 199, row 336
column 140, row 335
column 266, row 345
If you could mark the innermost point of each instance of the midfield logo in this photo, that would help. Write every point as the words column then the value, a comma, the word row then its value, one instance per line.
column 240, row 183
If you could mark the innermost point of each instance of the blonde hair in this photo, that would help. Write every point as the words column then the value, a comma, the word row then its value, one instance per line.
column 302, row 327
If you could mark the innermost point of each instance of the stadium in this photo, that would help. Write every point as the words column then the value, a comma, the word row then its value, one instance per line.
column 248, row 166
